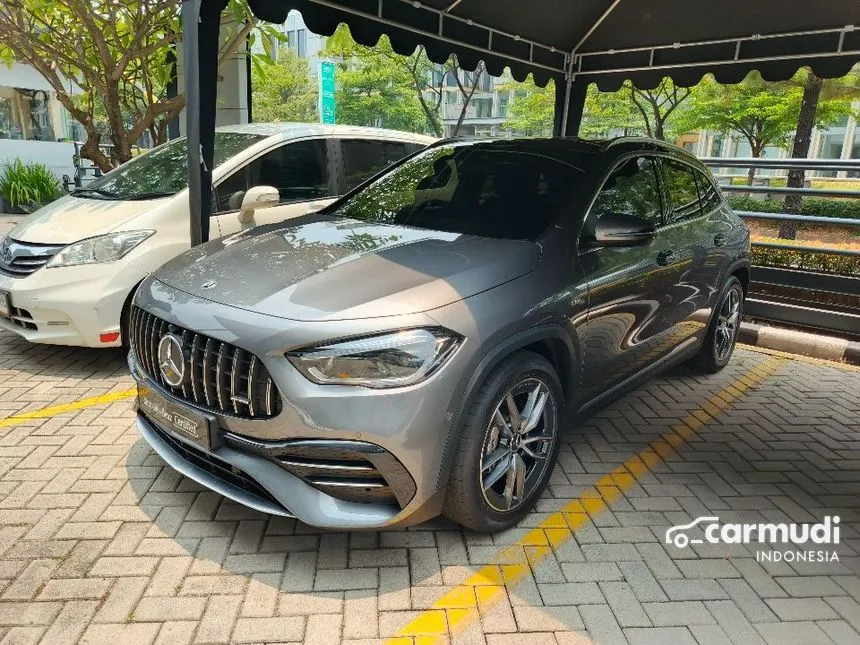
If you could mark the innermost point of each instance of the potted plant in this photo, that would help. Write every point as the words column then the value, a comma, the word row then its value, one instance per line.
column 26, row 187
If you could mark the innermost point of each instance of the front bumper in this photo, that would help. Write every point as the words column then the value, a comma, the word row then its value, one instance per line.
column 248, row 471
column 281, row 491
column 70, row 305
column 411, row 424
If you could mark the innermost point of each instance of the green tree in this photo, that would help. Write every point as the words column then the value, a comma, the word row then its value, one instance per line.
column 415, row 71
column 284, row 91
column 762, row 113
column 607, row 113
column 658, row 105
column 373, row 92
column 118, row 54
column 631, row 111
column 378, row 86
column 531, row 108
column 825, row 100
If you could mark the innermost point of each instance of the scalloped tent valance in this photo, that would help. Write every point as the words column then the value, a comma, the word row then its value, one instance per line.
column 612, row 40
column 574, row 42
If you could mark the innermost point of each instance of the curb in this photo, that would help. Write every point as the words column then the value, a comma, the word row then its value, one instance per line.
column 800, row 342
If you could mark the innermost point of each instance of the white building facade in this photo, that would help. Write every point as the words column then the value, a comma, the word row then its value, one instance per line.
column 34, row 126
column 839, row 141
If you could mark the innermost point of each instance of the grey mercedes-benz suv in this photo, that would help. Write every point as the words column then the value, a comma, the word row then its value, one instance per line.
column 418, row 346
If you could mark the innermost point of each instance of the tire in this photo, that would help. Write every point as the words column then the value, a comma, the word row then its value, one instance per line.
column 714, row 354
column 485, row 447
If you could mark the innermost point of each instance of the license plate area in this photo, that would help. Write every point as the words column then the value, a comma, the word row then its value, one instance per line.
column 5, row 304
column 178, row 420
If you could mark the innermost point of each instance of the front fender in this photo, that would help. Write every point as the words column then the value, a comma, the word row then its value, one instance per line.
column 559, row 336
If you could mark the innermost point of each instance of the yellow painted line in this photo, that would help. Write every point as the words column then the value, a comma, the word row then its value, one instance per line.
column 465, row 603
column 54, row 410
column 848, row 367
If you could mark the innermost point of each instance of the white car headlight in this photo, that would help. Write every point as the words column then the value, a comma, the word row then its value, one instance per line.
column 96, row 250
column 388, row 360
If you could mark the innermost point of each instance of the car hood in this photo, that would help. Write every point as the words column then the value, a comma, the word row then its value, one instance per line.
column 70, row 219
column 338, row 269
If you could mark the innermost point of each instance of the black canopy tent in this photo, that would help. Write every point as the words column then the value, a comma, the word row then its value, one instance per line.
column 573, row 42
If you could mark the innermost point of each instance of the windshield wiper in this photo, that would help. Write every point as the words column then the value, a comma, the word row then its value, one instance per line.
column 95, row 191
column 154, row 194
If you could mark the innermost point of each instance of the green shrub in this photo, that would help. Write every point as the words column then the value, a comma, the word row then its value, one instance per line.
column 28, row 186
column 819, row 206
column 791, row 259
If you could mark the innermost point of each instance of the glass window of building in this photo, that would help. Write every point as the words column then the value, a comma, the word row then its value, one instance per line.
column 302, row 42
column 483, row 108
column 504, row 99
column 26, row 114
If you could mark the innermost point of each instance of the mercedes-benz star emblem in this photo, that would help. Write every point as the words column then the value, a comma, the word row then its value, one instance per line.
column 171, row 360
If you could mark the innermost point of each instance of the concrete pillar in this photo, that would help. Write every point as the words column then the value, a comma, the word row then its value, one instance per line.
column 232, row 107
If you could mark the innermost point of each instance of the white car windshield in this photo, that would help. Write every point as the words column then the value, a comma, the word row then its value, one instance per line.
column 162, row 171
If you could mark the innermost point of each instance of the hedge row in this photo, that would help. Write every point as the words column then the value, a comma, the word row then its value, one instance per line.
column 847, row 208
column 819, row 262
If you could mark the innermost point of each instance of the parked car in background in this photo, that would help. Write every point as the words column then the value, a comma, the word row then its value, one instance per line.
column 67, row 272
column 416, row 347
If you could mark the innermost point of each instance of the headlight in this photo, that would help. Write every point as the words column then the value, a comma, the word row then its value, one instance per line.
column 95, row 250
column 388, row 360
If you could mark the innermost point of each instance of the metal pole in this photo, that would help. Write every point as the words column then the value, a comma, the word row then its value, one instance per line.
column 593, row 27
column 568, row 83
column 572, row 61
column 191, row 68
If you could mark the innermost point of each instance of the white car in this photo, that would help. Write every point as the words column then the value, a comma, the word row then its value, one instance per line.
column 68, row 271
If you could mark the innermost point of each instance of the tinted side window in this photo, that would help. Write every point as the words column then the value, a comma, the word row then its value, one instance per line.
column 364, row 158
column 298, row 170
column 710, row 198
column 229, row 193
column 681, row 188
column 631, row 189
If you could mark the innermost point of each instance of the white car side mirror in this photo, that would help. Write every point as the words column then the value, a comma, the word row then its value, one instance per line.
column 256, row 198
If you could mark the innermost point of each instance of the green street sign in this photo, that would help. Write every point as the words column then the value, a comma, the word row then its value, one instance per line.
column 327, row 100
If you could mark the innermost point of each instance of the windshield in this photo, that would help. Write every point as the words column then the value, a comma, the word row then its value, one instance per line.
column 486, row 190
column 162, row 170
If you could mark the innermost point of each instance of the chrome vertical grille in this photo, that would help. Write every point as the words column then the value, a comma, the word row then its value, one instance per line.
column 219, row 376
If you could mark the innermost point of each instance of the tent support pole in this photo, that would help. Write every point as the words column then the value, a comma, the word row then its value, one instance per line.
column 191, row 72
column 570, row 76
column 568, row 83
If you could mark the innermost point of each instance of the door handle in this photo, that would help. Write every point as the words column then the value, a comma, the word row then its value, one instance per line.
column 719, row 239
column 666, row 257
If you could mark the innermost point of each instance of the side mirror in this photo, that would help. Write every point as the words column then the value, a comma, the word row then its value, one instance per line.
column 621, row 229
column 256, row 198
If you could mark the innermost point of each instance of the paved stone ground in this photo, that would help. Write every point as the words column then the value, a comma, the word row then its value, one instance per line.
column 101, row 543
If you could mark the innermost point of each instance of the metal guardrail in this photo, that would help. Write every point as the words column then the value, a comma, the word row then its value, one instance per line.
column 822, row 301
column 783, row 190
column 784, row 164
column 806, row 219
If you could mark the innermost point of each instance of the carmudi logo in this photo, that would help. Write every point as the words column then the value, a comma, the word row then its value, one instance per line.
column 822, row 534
